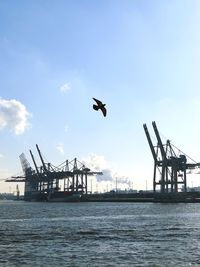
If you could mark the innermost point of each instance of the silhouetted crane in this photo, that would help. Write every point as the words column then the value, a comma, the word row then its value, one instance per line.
column 45, row 179
column 170, row 166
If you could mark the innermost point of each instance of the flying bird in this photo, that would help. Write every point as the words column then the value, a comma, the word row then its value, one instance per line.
column 100, row 106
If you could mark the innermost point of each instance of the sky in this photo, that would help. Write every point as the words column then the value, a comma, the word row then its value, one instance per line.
column 141, row 58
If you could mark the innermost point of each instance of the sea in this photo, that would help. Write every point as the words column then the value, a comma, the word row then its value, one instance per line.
column 99, row 234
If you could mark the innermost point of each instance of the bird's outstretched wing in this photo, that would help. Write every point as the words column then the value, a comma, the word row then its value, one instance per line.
column 103, row 109
column 98, row 101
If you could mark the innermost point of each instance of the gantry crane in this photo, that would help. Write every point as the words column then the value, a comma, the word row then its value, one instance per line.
column 170, row 167
column 45, row 179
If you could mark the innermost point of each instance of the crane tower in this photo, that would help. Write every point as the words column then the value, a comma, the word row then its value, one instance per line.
column 169, row 168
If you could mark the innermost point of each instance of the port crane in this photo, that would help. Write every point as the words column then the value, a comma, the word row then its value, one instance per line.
column 46, row 178
column 169, row 168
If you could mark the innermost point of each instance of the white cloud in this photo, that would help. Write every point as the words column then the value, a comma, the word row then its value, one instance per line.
column 1, row 156
column 95, row 162
column 13, row 115
column 65, row 87
column 99, row 164
column 60, row 148
column 123, row 180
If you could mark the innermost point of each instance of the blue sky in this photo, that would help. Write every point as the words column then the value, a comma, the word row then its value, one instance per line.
column 141, row 58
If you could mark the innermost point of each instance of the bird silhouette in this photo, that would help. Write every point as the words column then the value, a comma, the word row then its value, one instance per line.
column 100, row 106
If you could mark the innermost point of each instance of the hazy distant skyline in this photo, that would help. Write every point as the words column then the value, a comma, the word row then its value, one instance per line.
column 141, row 58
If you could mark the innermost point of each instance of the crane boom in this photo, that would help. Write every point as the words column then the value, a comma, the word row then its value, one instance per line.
column 44, row 166
column 163, row 153
column 150, row 142
column 34, row 163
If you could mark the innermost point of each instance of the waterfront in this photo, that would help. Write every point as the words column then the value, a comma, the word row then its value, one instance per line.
column 99, row 234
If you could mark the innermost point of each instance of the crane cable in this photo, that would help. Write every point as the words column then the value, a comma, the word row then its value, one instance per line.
column 184, row 153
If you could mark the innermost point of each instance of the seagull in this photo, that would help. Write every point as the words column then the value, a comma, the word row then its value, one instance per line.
column 100, row 106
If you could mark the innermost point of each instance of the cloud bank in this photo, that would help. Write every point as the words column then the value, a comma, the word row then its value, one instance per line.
column 98, row 163
column 13, row 115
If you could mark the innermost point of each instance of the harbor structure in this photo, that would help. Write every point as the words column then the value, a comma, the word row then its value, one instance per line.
column 43, row 182
column 170, row 168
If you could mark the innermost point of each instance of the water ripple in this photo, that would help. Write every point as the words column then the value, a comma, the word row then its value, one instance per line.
column 99, row 234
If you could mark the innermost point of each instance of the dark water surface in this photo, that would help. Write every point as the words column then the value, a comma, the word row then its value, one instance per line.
column 99, row 234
